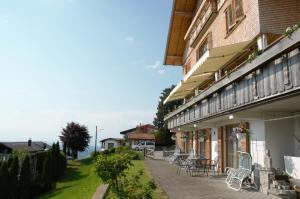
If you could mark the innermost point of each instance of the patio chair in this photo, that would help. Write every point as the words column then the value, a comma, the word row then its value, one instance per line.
column 199, row 165
column 236, row 177
column 184, row 162
column 174, row 157
column 213, row 165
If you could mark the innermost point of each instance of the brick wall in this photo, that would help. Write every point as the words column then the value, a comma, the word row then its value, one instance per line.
column 275, row 16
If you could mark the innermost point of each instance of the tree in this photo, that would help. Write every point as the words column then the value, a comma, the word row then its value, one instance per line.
column 4, row 181
column 76, row 138
column 163, row 135
column 47, row 172
column 25, row 178
column 14, row 177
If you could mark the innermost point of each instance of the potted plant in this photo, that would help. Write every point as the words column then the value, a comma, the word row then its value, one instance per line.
column 240, row 131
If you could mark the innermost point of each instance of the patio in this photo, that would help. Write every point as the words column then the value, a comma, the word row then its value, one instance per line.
column 184, row 186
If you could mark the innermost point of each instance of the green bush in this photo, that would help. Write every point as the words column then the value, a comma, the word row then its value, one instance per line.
column 112, row 169
column 4, row 181
column 13, row 177
column 94, row 154
column 25, row 178
column 132, row 154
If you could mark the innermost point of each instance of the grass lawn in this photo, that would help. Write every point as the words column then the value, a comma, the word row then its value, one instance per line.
column 79, row 182
column 140, row 165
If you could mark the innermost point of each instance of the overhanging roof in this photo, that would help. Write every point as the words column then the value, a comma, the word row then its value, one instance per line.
column 210, row 62
column 181, row 18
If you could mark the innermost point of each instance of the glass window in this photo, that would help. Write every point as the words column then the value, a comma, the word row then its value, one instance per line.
column 229, row 18
column 239, row 13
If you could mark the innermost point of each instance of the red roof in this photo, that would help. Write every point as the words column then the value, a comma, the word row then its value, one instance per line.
column 141, row 136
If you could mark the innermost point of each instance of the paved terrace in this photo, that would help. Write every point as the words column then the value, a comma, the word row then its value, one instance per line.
column 186, row 187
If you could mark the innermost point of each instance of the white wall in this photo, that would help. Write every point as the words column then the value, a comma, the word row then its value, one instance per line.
column 257, row 142
column 214, row 143
column 279, row 139
column 297, row 135
column 116, row 143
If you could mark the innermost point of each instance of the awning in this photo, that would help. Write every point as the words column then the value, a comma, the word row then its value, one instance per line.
column 213, row 60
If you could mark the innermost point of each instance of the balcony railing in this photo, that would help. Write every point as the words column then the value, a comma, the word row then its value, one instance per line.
column 206, row 12
column 273, row 74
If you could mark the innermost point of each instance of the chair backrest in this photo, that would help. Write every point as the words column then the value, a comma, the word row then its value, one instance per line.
column 191, row 154
column 245, row 160
column 177, row 150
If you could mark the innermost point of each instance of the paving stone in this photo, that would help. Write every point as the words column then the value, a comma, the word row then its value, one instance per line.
column 184, row 186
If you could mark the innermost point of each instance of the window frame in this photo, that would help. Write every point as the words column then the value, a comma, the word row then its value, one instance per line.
column 235, row 20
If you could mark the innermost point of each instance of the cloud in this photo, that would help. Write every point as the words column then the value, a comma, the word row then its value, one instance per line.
column 161, row 71
column 154, row 66
column 129, row 39
column 157, row 67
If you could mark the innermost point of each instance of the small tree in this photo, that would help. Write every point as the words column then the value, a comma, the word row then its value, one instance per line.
column 112, row 169
column 76, row 138
column 25, row 178
column 4, row 181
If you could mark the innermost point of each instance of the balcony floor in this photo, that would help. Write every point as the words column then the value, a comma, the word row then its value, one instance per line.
column 185, row 187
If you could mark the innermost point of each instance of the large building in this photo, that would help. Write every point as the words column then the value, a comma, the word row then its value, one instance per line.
column 241, row 79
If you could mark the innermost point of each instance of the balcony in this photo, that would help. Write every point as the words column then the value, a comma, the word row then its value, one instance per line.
column 203, row 18
column 273, row 75
column 211, row 61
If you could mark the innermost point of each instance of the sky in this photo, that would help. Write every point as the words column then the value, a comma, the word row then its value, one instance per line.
column 95, row 62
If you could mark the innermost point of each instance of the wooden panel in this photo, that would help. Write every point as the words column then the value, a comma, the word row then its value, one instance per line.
column 279, row 75
column 260, row 83
column 272, row 78
column 266, row 81
column 294, row 62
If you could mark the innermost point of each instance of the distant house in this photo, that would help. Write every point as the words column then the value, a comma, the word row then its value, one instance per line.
column 139, row 134
column 111, row 143
column 6, row 148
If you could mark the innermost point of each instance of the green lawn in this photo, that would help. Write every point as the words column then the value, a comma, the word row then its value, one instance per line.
column 79, row 182
column 140, row 165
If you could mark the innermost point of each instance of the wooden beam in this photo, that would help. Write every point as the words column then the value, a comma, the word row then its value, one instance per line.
column 174, row 57
column 184, row 14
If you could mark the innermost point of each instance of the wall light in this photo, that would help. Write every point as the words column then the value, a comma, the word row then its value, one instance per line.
column 231, row 117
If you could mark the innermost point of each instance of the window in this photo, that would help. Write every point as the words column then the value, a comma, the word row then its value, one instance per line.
column 229, row 18
column 202, row 49
column 110, row 145
column 238, row 7
column 234, row 13
column 187, row 68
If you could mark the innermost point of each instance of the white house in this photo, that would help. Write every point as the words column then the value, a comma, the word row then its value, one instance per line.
column 111, row 143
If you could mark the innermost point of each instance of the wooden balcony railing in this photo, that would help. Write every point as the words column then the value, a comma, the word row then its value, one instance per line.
column 273, row 74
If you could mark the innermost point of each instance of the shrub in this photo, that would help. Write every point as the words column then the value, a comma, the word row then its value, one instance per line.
column 94, row 154
column 4, row 181
column 112, row 169
column 25, row 178
column 47, row 173
column 14, row 177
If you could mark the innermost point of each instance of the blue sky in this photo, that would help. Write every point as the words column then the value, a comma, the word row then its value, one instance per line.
column 97, row 62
